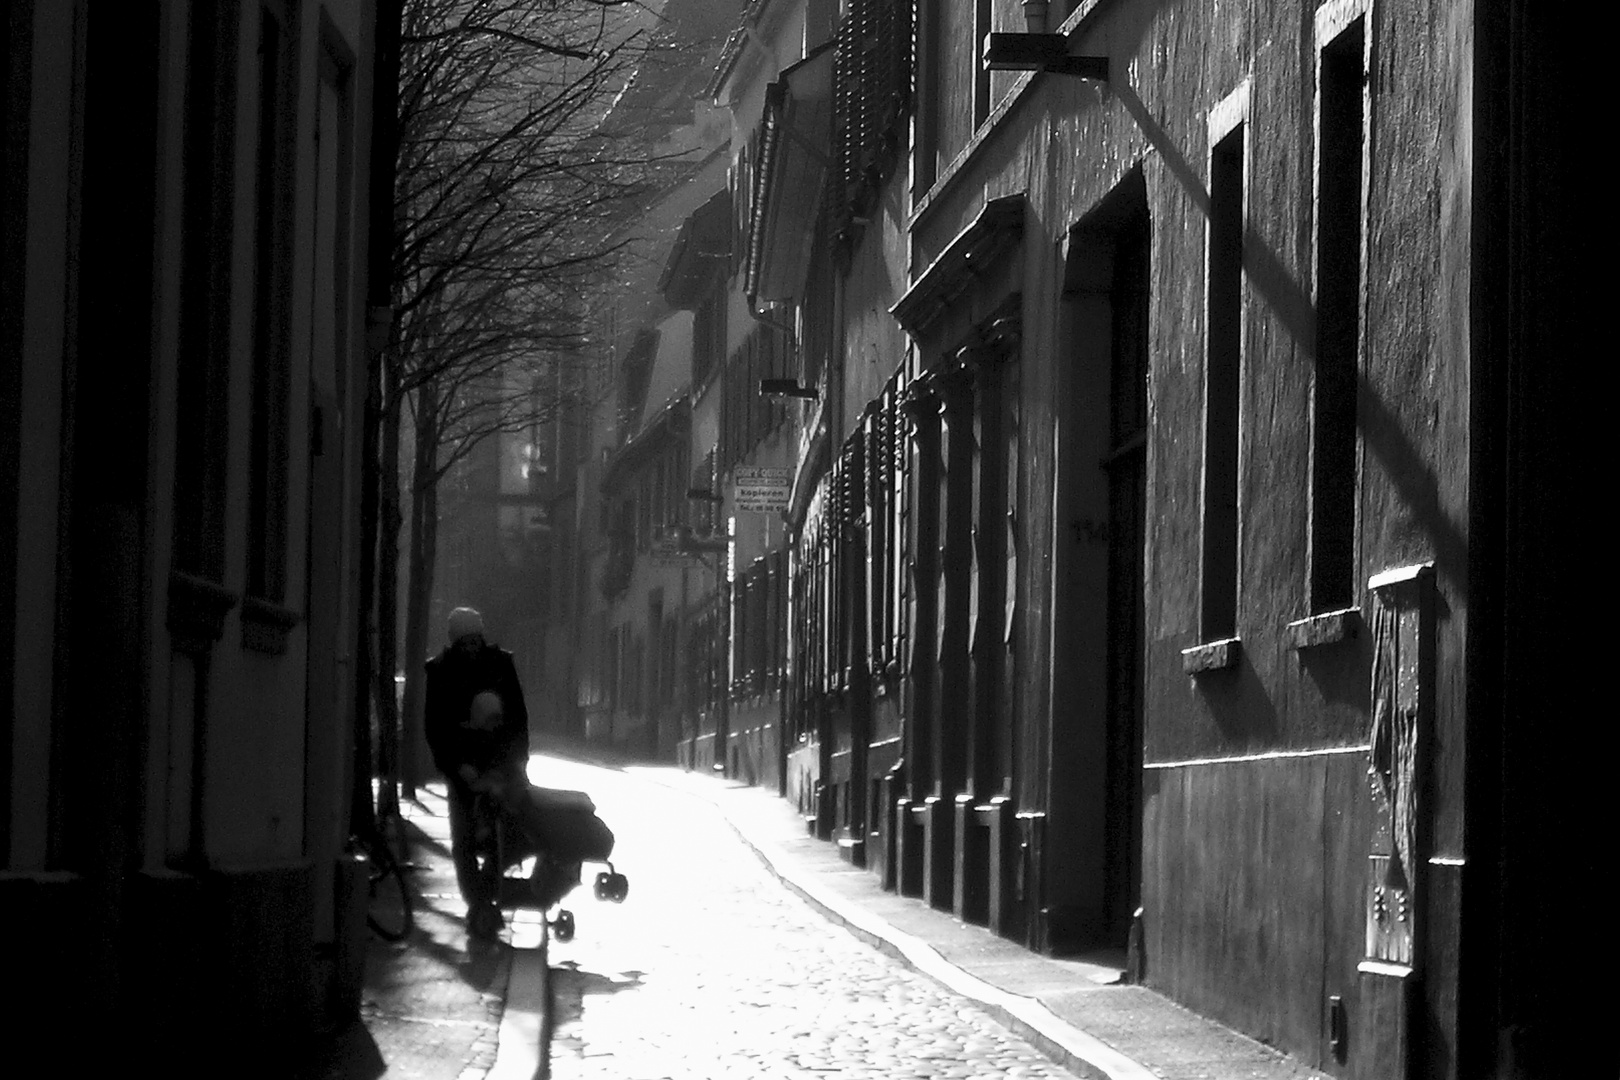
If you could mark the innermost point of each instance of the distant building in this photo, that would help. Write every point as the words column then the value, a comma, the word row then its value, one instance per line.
column 645, row 578
column 696, row 278
column 759, row 434
column 493, row 546
column 182, row 335
column 618, row 462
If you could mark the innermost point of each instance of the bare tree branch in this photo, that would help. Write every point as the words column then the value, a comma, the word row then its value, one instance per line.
column 528, row 138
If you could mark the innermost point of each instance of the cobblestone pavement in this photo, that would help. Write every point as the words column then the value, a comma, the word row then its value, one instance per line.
column 713, row 970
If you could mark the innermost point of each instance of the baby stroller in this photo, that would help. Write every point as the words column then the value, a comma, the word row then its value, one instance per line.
column 560, row 831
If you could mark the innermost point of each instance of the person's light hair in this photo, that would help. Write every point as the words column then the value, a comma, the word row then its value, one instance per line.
column 464, row 622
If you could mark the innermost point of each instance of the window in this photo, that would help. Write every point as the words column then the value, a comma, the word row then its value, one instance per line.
column 706, row 659
column 1222, row 371
column 899, row 526
column 757, row 645
column 705, row 515
column 981, row 77
column 747, row 417
column 677, row 508
column 594, row 692
column 1341, row 124
column 815, row 336
column 879, row 493
column 267, row 501
column 871, row 97
column 740, row 631
column 708, row 336
column 201, row 404
column 777, row 665
column 925, row 148
column 742, row 202
column 847, row 541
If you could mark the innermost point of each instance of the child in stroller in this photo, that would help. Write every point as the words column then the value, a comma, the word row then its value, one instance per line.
column 558, row 828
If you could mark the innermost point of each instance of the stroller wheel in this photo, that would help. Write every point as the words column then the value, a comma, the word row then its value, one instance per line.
column 562, row 927
column 612, row 886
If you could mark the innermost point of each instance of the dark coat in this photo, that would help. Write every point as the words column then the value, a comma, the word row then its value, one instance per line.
column 454, row 678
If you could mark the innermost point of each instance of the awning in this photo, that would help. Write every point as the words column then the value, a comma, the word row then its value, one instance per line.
column 794, row 155
column 699, row 253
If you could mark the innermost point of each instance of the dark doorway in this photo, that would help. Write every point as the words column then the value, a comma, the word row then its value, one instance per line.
column 1093, row 853
column 1126, row 466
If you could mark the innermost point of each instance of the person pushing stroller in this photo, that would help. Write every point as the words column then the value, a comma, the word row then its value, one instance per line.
column 478, row 732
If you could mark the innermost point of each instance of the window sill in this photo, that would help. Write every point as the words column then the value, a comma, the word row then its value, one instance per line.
column 265, row 626
column 1328, row 628
column 1211, row 656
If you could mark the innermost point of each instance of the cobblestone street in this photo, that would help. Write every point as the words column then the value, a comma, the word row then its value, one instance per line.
column 713, row 969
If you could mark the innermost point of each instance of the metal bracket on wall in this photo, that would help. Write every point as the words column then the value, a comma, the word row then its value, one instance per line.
column 1040, row 52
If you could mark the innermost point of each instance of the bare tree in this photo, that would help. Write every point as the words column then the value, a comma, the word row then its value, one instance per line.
column 514, row 173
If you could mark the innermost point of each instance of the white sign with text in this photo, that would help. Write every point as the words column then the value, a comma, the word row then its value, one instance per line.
column 761, row 489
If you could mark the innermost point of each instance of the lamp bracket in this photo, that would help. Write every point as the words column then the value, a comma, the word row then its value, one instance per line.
column 1040, row 52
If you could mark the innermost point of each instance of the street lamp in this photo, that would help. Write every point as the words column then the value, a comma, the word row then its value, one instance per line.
column 1040, row 52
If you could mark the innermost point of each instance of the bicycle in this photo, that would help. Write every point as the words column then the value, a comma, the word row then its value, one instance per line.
column 388, row 896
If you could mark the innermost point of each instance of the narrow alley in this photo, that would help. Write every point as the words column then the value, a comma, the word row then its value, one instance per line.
column 745, row 949
column 1044, row 528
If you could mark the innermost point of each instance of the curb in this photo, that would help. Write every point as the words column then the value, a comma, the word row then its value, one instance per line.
column 521, row 1044
column 487, row 1046
column 1076, row 1050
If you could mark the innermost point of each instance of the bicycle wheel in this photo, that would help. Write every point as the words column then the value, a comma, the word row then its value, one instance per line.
column 388, row 912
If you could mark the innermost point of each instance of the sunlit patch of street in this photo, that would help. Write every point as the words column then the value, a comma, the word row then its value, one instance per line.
column 713, row 969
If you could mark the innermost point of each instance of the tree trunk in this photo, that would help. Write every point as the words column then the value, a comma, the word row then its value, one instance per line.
column 419, row 586
column 388, row 740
